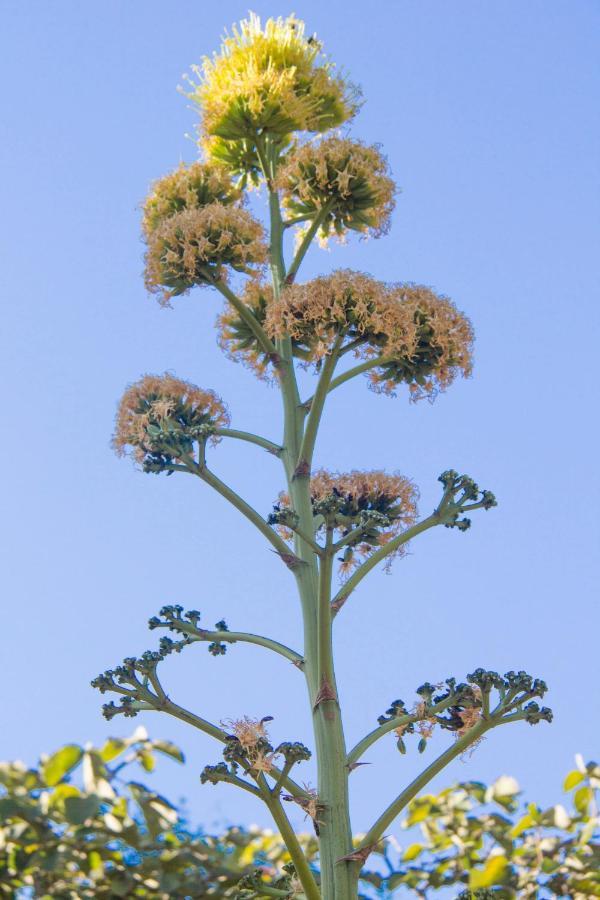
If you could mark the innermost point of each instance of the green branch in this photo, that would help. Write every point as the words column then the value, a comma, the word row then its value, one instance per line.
column 232, row 637
column 363, row 745
column 248, row 317
column 352, row 583
column 318, row 403
column 307, row 241
column 273, row 448
column 377, row 830
column 203, row 472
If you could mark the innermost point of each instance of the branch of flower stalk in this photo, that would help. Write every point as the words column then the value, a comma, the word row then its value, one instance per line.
column 307, row 241
column 358, row 751
column 377, row 830
column 287, row 768
column 288, row 223
column 246, row 314
column 292, row 843
column 350, row 373
column 270, row 446
column 350, row 585
column 179, row 712
column 232, row 637
column 307, row 447
column 203, row 472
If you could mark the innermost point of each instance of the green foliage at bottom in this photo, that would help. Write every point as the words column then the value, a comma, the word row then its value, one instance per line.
column 78, row 825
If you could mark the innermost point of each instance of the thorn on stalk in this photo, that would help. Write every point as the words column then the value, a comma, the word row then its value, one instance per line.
column 326, row 692
column 337, row 604
column 302, row 470
column 290, row 559
column 354, row 765
column 360, row 856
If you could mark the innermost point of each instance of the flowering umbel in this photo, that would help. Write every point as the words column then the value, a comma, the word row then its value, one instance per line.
column 364, row 509
column 343, row 181
column 188, row 187
column 160, row 417
column 409, row 334
column 269, row 79
column 197, row 246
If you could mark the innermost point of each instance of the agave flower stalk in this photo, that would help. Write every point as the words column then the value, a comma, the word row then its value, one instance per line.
column 261, row 99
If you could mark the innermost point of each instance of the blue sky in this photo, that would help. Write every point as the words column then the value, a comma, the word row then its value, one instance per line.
column 489, row 116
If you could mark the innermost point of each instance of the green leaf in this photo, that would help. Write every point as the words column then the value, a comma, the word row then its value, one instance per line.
column 492, row 873
column 413, row 851
column 582, row 799
column 95, row 862
column 522, row 825
column 112, row 748
column 79, row 809
column 147, row 760
column 61, row 763
column 169, row 749
column 573, row 779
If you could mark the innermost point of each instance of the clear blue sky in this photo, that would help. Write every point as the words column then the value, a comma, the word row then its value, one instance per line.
column 489, row 115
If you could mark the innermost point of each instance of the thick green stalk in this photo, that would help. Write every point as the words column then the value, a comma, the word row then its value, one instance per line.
column 335, row 838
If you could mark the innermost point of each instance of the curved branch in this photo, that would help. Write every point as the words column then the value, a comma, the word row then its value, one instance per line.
column 232, row 637
column 379, row 555
column 248, row 316
column 376, row 832
column 203, row 472
column 273, row 448
column 179, row 712
column 307, row 447
column 307, row 241
column 377, row 733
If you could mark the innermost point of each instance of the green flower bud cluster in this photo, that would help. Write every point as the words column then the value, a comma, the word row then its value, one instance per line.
column 458, row 706
column 170, row 441
column 174, row 618
column 215, row 774
column 461, row 493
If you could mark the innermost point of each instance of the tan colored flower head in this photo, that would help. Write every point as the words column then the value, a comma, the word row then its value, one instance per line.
column 269, row 79
column 188, row 187
column 347, row 178
column 380, row 505
column 197, row 247
column 161, row 416
column 420, row 337
column 444, row 347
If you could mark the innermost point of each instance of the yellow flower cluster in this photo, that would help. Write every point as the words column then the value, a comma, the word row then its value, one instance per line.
column 188, row 187
column 346, row 500
column 269, row 79
column 411, row 334
column 162, row 403
column 344, row 180
column 197, row 245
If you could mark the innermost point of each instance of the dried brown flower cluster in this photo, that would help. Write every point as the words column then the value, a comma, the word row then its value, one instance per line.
column 379, row 504
column 420, row 337
column 345, row 176
column 188, row 187
column 196, row 246
column 159, row 405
